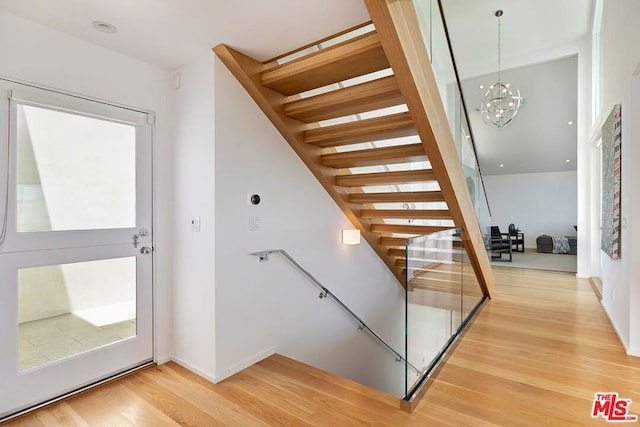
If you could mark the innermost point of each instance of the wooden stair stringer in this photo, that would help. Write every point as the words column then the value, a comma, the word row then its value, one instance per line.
column 400, row 34
column 248, row 73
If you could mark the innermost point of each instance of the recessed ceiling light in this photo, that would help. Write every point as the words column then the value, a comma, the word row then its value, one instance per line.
column 570, row 122
column 501, row 165
column 104, row 27
column 568, row 161
column 481, row 86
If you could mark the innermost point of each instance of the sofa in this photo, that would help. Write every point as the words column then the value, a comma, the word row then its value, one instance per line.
column 545, row 244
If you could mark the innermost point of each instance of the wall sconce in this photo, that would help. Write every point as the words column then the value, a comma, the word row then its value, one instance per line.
column 351, row 237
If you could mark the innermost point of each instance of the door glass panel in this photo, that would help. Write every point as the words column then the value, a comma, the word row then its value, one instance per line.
column 67, row 309
column 74, row 172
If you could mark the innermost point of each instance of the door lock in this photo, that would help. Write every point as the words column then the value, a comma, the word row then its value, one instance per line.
column 142, row 233
column 146, row 250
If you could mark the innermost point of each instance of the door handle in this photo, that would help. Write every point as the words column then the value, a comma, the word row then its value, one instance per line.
column 146, row 250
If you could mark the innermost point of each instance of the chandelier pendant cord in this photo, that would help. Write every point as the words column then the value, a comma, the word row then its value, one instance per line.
column 499, row 52
column 500, row 94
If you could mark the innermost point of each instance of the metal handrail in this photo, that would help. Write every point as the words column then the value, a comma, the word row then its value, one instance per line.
column 326, row 293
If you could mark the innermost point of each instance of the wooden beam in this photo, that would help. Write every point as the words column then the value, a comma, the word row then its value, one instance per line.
column 355, row 57
column 434, row 214
column 401, row 37
column 248, row 72
column 393, row 241
column 273, row 61
column 397, row 252
column 376, row 129
column 382, row 178
column 415, row 230
column 376, row 156
column 373, row 95
column 397, row 197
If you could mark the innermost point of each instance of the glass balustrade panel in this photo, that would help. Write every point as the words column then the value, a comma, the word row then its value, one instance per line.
column 433, row 270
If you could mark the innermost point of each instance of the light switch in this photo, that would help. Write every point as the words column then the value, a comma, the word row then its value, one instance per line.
column 254, row 223
column 195, row 224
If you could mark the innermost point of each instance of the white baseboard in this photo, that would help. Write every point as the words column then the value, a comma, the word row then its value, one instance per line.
column 243, row 365
column 615, row 328
column 163, row 360
column 634, row 351
column 193, row 369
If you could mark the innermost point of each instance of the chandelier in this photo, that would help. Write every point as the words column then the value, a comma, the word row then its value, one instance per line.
column 501, row 101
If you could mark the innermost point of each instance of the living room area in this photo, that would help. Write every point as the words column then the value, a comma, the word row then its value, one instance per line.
column 529, row 166
column 536, row 215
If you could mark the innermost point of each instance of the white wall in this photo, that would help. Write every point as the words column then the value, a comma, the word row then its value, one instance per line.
column 266, row 307
column 621, row 56
column 537, row 203
column 48, row 58
column 585, row 201
column 632, row 225
column 193, row 296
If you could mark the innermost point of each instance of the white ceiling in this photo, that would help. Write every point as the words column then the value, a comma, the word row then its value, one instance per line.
column 172, row 33
column 528, row 27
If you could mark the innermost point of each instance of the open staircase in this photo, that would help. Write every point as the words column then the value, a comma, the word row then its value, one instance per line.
column 363, row 112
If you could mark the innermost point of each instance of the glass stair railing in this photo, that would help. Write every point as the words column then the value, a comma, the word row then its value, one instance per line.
column 436, row 37
column 442, row 295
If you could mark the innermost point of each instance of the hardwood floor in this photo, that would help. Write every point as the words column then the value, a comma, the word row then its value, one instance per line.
column 534, row 356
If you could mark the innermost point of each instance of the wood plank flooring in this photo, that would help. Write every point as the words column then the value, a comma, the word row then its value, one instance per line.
column 534, row 356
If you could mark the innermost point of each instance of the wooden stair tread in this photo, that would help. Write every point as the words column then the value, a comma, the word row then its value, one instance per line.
column 373, row 95
column 376, row 156
column 437, row 281
column 397, row 197
column 417, row 230
column 435, row 256
column 401, row 252
column 397, row 252
column 405, row 214
column 393, row 241
column 449, row 301
column 381, row 178
column 428, row 263
column 453, row 287
column 355, row 57
column 376, row 129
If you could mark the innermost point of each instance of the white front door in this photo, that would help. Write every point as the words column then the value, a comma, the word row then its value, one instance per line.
column 75, row 243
